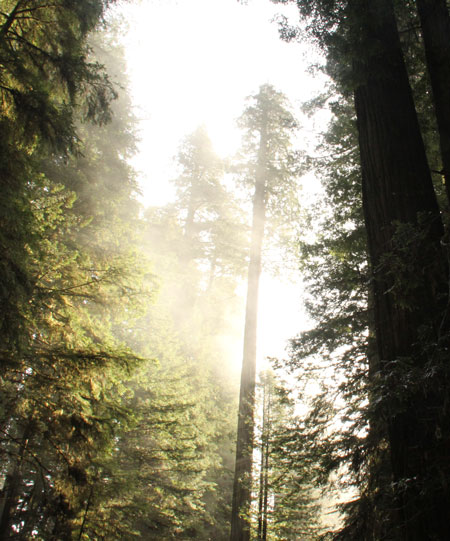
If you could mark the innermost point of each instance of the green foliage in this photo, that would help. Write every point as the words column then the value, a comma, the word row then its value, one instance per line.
column 46, row 70
column 288, row 488
column 95, row 442
column 170, row 474
column 212, row 222
column 67, row 280
column 368, row 391
column 283, row 164
column 334, row 352
column 64, row 388
column 46, row 80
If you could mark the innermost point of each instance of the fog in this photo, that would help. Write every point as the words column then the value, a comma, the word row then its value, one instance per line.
column 155, row 167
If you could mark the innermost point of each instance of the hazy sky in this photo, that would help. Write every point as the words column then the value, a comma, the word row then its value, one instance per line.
column 194, row 62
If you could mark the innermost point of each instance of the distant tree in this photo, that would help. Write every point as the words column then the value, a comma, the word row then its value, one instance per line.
column 211, row 219
column 270, row 170
column 176, row 461
column 287, row 505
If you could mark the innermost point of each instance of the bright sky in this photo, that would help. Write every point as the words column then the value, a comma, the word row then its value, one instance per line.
column 194, row 62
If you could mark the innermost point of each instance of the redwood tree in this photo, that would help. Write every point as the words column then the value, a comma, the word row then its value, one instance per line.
column 270, row 169
column 435, row 23
column 409, row 272
column 404, row 231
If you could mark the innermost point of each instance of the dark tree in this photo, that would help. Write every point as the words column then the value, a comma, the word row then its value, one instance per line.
column 435, row 23
column 409, row 382
column 404, row 232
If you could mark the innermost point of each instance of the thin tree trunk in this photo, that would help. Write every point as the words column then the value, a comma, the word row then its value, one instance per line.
column 264, row 471
column 397, row 189
column 240, row 514
column 435, row 23
column 266, row 494
column 261, row 472
column 266, row 466
column 86, row 511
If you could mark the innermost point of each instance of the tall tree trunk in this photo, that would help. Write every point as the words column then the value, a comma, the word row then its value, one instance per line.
column 11, row 491
column 262, row 470
column 240, row 513
column 435, row 23
column 265, row 466
column 409, row 280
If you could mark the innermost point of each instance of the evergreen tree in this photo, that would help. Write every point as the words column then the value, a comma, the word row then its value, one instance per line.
column 287, row 506
column 64, row 370
column 404, row 232
column 339, row 350
column 212, row 223
column 46, row 74
column 173, row 468
column 270, row 171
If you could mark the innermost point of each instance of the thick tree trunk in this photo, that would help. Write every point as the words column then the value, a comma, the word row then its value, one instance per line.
column 409, row 279
column 435, row 22
column 240, row 514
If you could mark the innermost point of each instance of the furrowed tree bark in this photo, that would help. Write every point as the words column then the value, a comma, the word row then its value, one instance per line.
column 409, row 284
column 240, row 513
column 435, row 23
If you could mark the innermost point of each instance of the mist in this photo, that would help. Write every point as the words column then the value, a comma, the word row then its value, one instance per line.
column 136, row 195
column 224, row 277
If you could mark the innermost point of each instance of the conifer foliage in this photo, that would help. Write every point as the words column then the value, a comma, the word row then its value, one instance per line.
column 286, row 504
column 184, row 435
column 95, row 441
column 61, row 284
column 399, row 455
column 269, row 169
